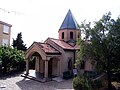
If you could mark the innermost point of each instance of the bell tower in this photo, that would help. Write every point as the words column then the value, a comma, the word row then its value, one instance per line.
column 69, row 30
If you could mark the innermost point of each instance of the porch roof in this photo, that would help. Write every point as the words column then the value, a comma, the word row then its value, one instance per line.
column 48, row 49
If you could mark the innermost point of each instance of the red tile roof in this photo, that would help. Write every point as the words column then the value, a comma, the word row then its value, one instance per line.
column 47, row 48
column 63, row 44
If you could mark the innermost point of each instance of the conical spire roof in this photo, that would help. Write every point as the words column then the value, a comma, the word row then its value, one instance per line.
column 69, row 22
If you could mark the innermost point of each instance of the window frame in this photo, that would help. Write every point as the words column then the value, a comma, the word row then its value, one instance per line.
column 5, row 41
column 63, row 35
column 70, row 63
column 71, row 35
column 6, row 29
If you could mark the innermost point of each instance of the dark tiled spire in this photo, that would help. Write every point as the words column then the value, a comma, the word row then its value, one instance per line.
column 69, row 22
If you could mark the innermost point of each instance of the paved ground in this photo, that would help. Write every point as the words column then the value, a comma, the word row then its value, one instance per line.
column 19, row 83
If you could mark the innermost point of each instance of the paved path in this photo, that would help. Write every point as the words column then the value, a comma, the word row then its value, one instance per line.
column 19, row 83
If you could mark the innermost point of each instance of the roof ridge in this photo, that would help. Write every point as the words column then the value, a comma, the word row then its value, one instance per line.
column 54, row 48
column 2, row 22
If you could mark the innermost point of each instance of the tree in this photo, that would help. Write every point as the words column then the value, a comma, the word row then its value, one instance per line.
column 4, row 56
column 104, row 45
column 18, row 43
column 11, row 58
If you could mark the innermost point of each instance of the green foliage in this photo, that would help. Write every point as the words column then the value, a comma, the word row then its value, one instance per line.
column 97, row 84
column 85, row 52
column 102, row 43
column 18, row 43
column 11, row 58
column 82, row 82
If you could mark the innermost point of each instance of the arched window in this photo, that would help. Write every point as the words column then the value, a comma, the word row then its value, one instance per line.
column 70, row 64
column 71, row 35
column 62, row 35
column 78, row 36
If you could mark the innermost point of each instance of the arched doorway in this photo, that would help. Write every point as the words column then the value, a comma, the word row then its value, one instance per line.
column 32, row 60
column 53, row 67
column 36, row 65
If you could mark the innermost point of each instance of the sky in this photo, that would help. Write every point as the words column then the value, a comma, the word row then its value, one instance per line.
column 40, row 19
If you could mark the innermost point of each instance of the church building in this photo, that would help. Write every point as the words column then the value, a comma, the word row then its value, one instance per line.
column 55, row 56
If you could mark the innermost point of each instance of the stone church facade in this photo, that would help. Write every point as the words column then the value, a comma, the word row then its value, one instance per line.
column 55, row 56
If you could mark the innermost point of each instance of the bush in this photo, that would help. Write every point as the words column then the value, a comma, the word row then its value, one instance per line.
column 97, row 84
column 11, row 59
column 82, row 82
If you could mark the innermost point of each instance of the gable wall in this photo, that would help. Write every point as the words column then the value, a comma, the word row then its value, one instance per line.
column 64, row 58
column 62, row 54
column 68, row 55
column 35, row 48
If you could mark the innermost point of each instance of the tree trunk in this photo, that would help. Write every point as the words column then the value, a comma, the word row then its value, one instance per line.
column 109, row 80
column 109, row 74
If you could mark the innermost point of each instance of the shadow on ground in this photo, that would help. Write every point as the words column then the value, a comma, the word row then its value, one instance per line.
column 27, row 84
column 10, row 75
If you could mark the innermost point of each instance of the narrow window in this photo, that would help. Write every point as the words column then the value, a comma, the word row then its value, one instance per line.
column 78, row 36
column 70, row 64
column 62, row 35
column 71, row 35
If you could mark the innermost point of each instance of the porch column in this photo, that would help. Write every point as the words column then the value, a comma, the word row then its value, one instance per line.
column 37, row 64
column 27, row 66
column 46, row 69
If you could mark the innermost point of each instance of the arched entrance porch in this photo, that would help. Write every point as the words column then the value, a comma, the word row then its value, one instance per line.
column 42, row 68
column 43, row 58
column 35, row 65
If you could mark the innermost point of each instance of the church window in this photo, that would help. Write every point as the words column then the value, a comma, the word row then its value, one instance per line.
column 62, row 35
column 78, row 36
column 71, row 35
column 70, row 64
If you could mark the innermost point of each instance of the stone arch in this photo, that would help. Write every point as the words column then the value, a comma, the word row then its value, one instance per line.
column 39, row 58
column 34, row 48
column 31, row 53
column 36, row 62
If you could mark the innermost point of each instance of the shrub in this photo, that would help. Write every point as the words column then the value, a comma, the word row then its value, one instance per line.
column 97, row 84
column 11, row 59
column 82, row 82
